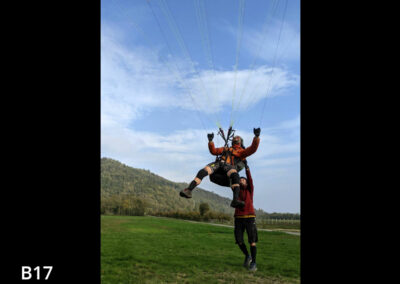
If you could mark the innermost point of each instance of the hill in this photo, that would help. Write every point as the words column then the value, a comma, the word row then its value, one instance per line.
column 124, row 184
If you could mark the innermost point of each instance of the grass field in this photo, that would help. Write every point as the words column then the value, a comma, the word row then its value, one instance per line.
column 288, row 225
column 164, row 250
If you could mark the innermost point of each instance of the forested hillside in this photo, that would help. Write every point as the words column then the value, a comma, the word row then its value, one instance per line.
column 124, row 185
column 131, row 191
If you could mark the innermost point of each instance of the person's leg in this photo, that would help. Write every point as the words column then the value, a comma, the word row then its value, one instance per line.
column 252, row 235
column 199, row 177
column 207, row 170
column 239, row 230
column 253, row 251
column 234, row 177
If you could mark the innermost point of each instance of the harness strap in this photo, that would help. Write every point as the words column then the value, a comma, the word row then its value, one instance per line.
column 228, row 154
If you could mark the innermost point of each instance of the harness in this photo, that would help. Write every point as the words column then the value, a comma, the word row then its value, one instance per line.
column 234, row 161
column 219, row 177
column 229, row 137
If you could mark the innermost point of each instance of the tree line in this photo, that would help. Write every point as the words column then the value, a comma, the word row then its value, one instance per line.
column 131, row 205
column 130, row 191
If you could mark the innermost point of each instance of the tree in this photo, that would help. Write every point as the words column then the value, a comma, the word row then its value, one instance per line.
column 204, row 207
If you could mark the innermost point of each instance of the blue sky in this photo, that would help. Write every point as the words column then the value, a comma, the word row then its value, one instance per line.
column 214, row 62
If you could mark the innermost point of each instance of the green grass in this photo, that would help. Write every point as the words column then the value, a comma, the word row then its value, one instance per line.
column 279, row 225
column 164, row 250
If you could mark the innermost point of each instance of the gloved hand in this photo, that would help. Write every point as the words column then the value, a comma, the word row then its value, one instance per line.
column 257, row 131
column 210, row 136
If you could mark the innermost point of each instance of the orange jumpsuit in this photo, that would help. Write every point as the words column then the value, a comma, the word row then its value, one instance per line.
column 237, row 151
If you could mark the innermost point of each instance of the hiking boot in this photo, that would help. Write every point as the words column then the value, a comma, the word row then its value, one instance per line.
column 187, row 193
column 237, row 203
column 253, row 266
column 247, row 261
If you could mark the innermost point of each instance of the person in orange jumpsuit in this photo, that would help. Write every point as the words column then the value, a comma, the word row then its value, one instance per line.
column 230, row 157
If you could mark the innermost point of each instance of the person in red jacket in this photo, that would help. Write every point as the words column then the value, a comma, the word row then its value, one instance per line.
column 245, row 219
column 230, row 158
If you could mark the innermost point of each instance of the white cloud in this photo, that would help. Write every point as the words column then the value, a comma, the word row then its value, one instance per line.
column 251, row 86
column 289, row 124
column 275, row 41
column 279, row 162
column 179, row 155
column 135, row 80
column 267, row 44
column 186, row 150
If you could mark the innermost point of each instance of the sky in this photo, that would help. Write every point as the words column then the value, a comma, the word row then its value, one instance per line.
column 174, row 70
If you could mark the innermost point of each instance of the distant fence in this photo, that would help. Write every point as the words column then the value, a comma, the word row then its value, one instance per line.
column 117, row 210
column 280, row 221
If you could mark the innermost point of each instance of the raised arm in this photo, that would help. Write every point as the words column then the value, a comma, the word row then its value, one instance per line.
column 213, row 150
column 211, row 146
column 254, row 145
column 250, row 185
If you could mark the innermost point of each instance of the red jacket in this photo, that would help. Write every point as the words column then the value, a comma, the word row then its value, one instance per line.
column 246, row 195
column 236, row 150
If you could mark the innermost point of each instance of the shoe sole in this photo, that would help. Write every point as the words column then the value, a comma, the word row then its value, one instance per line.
column 184, row 195
column 252, row 270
